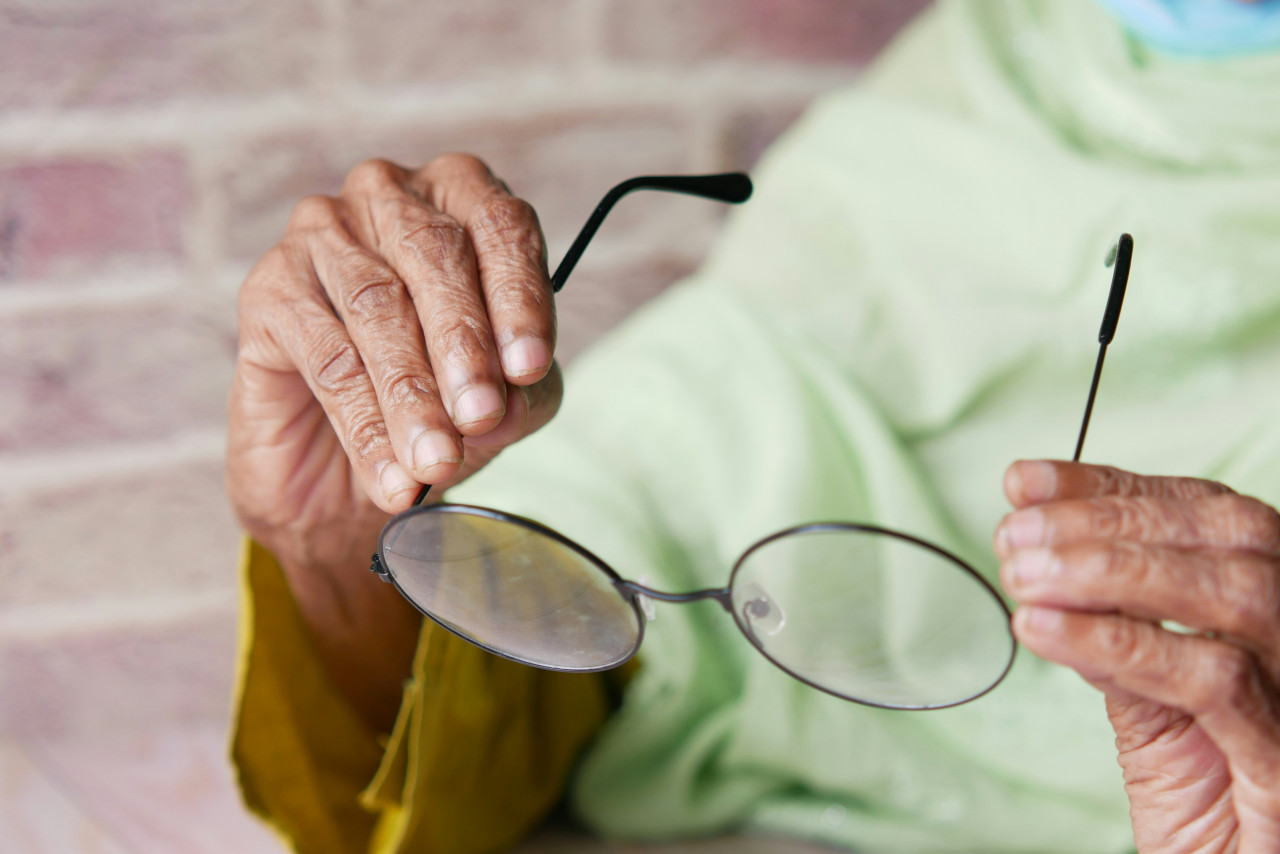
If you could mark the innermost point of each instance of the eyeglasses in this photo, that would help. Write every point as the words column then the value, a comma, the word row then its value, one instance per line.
column 865, row 613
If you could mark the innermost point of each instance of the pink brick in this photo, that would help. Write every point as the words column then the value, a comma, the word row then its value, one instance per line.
column 68, row 217
column 142, row 51
column 561, row 163
column 113, row 683
column 84, row 376
column 166, row 531
column 410, row 42
column 822, row 32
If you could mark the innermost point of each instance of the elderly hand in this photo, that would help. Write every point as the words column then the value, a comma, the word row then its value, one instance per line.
column 1097, row 558
column 400, row 333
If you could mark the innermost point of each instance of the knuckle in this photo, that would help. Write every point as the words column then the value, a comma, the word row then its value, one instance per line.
column 334, row 365
column 1190, row 488
column 435, row 239
column 275, row 266
column 405, row 387
column 1248, row 594
column 1264, row 524
column 314, row 212
column 1169, row 520
column 1123, row 560
column 1109, row 480
column 367, row 438
column 504, row 216
column 1111, row 518
column 534, row 306
column 372, row 175
column 372, row 292
column 457, row 162
column 1245, row 522
column 253, row 302
column 1142, row 518
column 272, row 294
column 1121, row 643
column 461, row 339
column 1232, row 681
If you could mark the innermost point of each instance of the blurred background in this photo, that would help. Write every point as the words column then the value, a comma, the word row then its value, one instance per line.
column 150, row 151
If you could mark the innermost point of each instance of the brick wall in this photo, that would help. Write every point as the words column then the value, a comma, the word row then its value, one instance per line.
column 150, row 150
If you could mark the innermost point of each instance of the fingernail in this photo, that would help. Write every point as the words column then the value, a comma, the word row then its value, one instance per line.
column 1041, row 619
column 525, row 356
column 1030, row 565
column 394, row 480
column 433, row 448
column 477, row 403
column 1024, row 528
column 1039, row 479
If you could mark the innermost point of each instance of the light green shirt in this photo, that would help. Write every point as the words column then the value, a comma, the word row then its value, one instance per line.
column 909, row 303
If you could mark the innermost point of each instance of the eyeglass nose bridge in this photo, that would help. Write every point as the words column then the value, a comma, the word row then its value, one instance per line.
column 721, row 595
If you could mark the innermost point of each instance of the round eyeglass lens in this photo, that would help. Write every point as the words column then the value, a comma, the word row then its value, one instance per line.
column 507, row 586
column 872, row 617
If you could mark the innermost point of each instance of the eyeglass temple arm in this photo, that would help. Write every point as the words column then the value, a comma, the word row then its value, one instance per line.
column 1122, row 257
column 730, row 187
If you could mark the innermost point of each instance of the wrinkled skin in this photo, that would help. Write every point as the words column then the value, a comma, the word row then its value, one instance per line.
column 1097, row 558
column 400, row 333
column 403, row 333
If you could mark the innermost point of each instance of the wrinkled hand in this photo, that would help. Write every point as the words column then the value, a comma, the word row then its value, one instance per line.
column 400, row 333
column 1098, row 558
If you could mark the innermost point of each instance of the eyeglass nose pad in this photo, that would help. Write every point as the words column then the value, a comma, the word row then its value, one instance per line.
column 645, row 603
column 759, row 611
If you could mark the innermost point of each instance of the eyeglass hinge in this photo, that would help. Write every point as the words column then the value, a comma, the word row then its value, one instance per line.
column 378, row 569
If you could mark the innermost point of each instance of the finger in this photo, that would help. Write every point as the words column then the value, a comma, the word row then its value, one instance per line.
column 1232, row 593
column 529, row 408
column 544, row 398
column 432, row 254
column 1028, row 482
column 383, row 324
column 319, row 347
column 1219, row 521
column 510, row 256
column 1220, row 684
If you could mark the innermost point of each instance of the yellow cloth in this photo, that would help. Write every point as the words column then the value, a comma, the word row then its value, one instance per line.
column 906, row 305
column 481, row 750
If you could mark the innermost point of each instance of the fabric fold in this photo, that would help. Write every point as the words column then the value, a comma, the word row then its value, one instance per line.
column 481, row 749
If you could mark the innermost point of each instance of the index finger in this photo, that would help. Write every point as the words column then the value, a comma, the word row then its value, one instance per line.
column 1231, row 522
column 511, row 259
column 1029, row 482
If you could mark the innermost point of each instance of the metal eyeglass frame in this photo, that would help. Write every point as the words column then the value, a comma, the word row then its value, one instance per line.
column 736, row 188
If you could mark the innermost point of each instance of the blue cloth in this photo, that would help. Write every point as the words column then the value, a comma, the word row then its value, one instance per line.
column 1202, row 28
